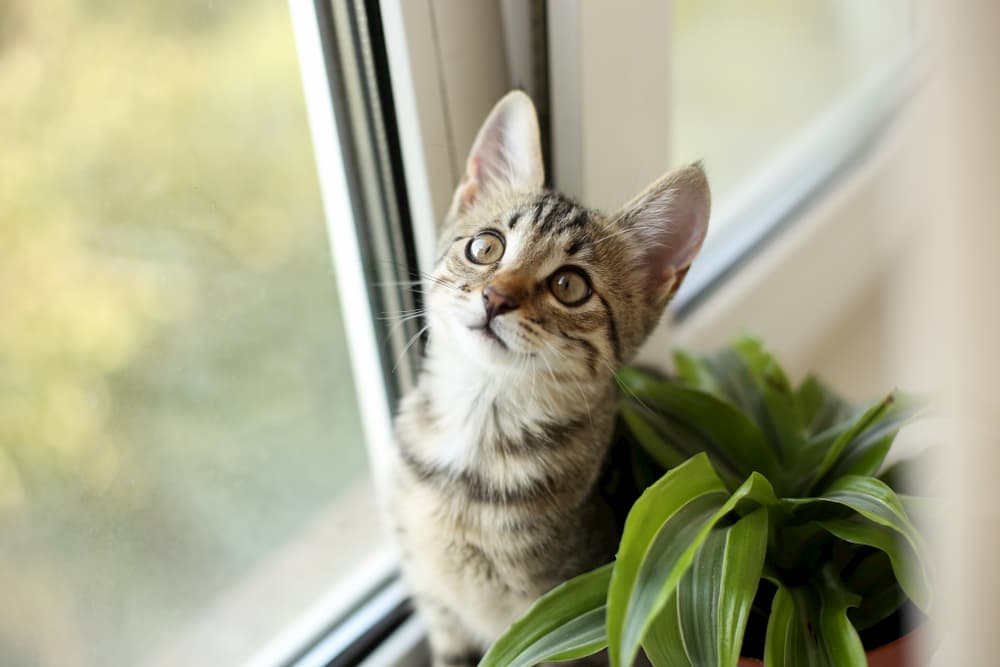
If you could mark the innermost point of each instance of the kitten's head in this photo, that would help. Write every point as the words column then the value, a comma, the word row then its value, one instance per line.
column 528, row 274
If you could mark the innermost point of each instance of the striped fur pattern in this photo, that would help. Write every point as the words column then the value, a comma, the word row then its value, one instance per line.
column 502, row 441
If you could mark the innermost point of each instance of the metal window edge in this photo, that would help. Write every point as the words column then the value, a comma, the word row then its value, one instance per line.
column 344, row 242
column 360, row 635
column 349, row 639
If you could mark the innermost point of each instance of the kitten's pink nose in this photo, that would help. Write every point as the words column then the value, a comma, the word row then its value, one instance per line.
column 497, row 302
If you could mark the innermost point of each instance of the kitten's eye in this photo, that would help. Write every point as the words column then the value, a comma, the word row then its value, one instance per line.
column 485, row 248
column 570, row 286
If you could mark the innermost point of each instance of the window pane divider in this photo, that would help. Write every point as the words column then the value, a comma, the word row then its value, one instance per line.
column 345, row 244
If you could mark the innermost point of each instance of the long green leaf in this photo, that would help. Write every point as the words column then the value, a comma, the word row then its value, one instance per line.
column 872, row 498
column 748, row 377
column 819, row 406
column 692, row 421
column 692, row 480
column 863, row 458
column 844, row 437
column 739, row 384
column 703, row 624
column 809, row 627
column 861, row 449
column 567, row 622
column 779, row 642
column 880, row 522
column 873, row 579
column 910, row 566
column 878, row 605
column 678, row 436
column 663, row 533
column 663, row 451
column 664, row 642
column 693, row 372
column 784, row 422
column 865, row 454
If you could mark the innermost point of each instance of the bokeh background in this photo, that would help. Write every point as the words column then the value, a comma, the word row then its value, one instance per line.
column 174, row 393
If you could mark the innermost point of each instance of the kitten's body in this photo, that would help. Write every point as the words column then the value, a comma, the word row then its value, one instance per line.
column 501, row 443
column 493, row 495
column 485, row 535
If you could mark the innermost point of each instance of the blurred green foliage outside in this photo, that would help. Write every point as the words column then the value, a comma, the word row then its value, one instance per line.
column 175, row 401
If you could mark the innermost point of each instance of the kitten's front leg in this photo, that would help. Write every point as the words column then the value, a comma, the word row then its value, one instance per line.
column 451, row 644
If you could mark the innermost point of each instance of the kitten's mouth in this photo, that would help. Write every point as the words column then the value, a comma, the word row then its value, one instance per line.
column 488, row 333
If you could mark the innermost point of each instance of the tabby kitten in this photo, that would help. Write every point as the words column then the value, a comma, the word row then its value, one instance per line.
column 534, row 302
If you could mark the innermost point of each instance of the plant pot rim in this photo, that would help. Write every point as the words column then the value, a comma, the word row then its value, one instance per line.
column 893, row 654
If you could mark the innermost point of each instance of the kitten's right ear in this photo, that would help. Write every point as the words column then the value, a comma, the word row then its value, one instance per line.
column 668, row 223
column 507, row 153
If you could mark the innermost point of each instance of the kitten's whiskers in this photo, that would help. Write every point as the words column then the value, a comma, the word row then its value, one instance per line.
column 402, row 318
column 409, row 344
column 623, row 387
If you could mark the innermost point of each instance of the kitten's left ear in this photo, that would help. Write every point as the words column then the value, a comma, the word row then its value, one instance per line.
column 668, row 223
column 506, row 155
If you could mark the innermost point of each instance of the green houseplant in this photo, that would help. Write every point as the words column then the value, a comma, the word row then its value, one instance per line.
column 761, row 506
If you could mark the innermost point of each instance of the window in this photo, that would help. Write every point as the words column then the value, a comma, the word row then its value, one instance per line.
column 748, row 80
column 777, row 98
column 182, row 466
column 186, row 386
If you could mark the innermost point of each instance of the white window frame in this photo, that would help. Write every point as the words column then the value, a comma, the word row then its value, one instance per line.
column 345, row 246
column 372, row 597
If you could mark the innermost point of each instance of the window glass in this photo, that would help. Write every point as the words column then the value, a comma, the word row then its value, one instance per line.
column 178, row 434
column 750, row 78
